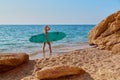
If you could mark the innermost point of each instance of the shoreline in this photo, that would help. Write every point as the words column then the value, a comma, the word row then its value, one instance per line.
column 58, row 50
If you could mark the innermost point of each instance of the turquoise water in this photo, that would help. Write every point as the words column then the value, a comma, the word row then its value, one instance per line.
column 15, row 38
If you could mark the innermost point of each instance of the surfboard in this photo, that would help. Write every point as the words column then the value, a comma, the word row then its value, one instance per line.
column 52, row 36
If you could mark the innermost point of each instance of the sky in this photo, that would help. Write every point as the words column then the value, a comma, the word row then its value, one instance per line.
column 56, row 11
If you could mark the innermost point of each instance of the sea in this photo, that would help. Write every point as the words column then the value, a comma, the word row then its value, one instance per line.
column 15, row 38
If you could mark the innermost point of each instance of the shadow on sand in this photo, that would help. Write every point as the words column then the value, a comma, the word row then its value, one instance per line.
column 19, row 72
column 26, row 69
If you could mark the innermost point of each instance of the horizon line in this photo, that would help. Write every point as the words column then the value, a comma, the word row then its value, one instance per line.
column 50, row 24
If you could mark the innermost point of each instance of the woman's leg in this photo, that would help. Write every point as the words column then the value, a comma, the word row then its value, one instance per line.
column 43, row 49
column 49, row 44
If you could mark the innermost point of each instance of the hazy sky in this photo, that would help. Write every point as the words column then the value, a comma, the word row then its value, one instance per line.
column 56, row 11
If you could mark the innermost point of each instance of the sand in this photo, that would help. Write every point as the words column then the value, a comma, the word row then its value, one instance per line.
column 98, row 64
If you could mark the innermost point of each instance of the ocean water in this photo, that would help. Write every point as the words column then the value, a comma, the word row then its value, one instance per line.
column 15, row 38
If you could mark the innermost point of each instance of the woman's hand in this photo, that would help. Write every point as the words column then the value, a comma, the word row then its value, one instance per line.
column 48, row 28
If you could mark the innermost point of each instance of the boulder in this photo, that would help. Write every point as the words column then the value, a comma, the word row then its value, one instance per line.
column 11, row 60
column 58, row 71
column 106, row 34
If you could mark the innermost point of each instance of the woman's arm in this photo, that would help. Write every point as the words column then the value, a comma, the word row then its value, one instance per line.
column 45, row 34
column 46, row 29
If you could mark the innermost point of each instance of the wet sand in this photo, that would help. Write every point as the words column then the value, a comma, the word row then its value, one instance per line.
column 56, row 50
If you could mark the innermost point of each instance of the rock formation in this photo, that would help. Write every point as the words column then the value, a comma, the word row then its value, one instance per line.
column 58, row 71
column 55, row 72
column 106, row 34
column 11, row 60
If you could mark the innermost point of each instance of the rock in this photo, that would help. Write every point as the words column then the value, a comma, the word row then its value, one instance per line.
column 11, row 60
column 116, row 48
column 58, row 71
column 106, row 35
column 30, row 78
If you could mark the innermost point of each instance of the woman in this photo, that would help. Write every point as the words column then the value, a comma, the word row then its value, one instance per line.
column 45, row 31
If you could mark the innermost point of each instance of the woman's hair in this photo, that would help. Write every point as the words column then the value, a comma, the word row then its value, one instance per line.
column 46, row 25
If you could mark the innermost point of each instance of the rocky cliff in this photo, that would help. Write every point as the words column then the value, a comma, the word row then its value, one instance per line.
column 106, row 34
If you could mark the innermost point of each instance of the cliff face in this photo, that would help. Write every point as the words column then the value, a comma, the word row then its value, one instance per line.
column 106, row 34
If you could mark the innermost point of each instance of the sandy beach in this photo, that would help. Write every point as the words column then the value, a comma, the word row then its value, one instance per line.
column 98, row 65
column 59, row 40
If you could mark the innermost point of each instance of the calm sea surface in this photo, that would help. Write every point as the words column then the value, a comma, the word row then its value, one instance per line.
column 15, row 38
